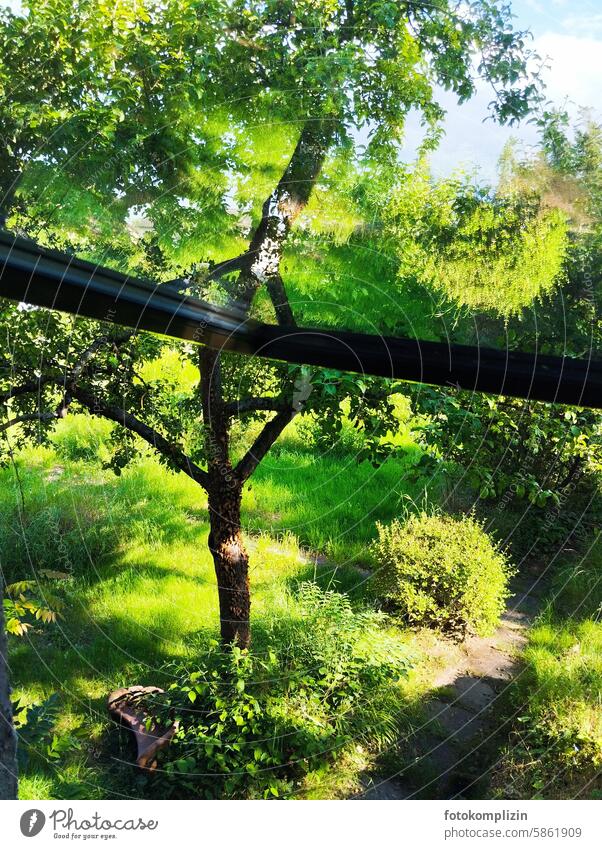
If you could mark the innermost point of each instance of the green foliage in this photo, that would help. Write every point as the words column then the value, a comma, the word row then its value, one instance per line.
column 27, row 603
column 254, row 725
column 144, row 126
column 323, row 437
column 36, row 725
column 118, row 113
column 475, row 248
column 109, row 108
column 49, row 538
column 511, row 450
column 442, row 572
column 342, row 401
column 555, row 749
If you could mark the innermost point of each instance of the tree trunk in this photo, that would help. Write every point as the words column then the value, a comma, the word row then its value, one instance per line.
column 280, row 210
column 231, row 563
column 262, row 266
column 8, row 739
column 224, row 490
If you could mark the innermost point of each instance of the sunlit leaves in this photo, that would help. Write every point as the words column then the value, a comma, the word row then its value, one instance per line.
column 27, row 604
column 481, row 250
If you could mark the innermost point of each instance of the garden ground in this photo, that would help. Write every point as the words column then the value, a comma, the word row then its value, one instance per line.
column 138, row 592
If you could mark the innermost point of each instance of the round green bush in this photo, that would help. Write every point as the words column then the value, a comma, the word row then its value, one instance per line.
column 442, row 572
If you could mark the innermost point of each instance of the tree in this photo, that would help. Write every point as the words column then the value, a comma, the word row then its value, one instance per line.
column 8, row 740
column 476, row 248
column 171, row 101
column 540, row 457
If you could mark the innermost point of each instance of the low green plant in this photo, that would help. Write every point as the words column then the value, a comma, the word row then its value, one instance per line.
column 442, row 572
column 27, row 603
column 555, row 746
column 509, row 450
column 554, row 750
column 36, row 726
column 577, row 585
column 84, row 438
column 255, row 724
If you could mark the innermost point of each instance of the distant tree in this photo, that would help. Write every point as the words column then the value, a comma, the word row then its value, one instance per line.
column 565, row 175
column 164, row 108
column 474, row 247
column 542, row 455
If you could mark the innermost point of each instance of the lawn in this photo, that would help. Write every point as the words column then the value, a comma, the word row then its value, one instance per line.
column 138, row 594
column 555, row 749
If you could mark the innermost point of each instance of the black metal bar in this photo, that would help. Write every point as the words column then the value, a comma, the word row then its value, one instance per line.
column 51, row 279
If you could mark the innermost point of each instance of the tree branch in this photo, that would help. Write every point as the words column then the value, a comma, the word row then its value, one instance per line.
column 280, row 301
column 60, row 377
column 236, row 263
column 249, row 405
column 178, row 457
column 28, row 388
column 263, row 443
column 279, row 212
column 28, row 417
column 70, row 380
column 92, row 348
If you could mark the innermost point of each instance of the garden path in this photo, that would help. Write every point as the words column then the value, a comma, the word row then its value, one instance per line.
column 451, row 752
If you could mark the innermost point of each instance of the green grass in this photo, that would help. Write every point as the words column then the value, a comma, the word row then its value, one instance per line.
column 556, row 749
column 140, row 594
column 141, row 589
column 330, row 504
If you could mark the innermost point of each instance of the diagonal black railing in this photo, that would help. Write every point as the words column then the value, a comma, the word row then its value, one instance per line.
column 48, row 278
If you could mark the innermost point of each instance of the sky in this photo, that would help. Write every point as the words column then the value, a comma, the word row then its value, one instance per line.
column 568, row 34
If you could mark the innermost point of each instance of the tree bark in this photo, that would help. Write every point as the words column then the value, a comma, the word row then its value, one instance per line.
column 8, row 738
column 280, row 210
column 225, row 495
column 260, row 265
column 231, row 563
column 8, row 187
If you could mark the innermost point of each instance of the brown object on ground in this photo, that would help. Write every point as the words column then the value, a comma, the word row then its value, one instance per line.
column 126, row 707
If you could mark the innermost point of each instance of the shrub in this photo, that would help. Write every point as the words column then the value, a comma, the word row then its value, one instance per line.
column 254, row 725
column 514, row 451
column 442, row 572
column 82, row 437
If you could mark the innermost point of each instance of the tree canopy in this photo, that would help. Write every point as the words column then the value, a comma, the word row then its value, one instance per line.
column 210, row 141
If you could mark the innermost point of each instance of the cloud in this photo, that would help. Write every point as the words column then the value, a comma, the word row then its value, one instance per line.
column 575, row 70
column 536, row 6
column 574, row 78
column 471, row 143
column 583, row 24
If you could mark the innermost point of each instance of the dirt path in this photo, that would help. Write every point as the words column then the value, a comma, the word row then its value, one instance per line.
column 448, row 750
